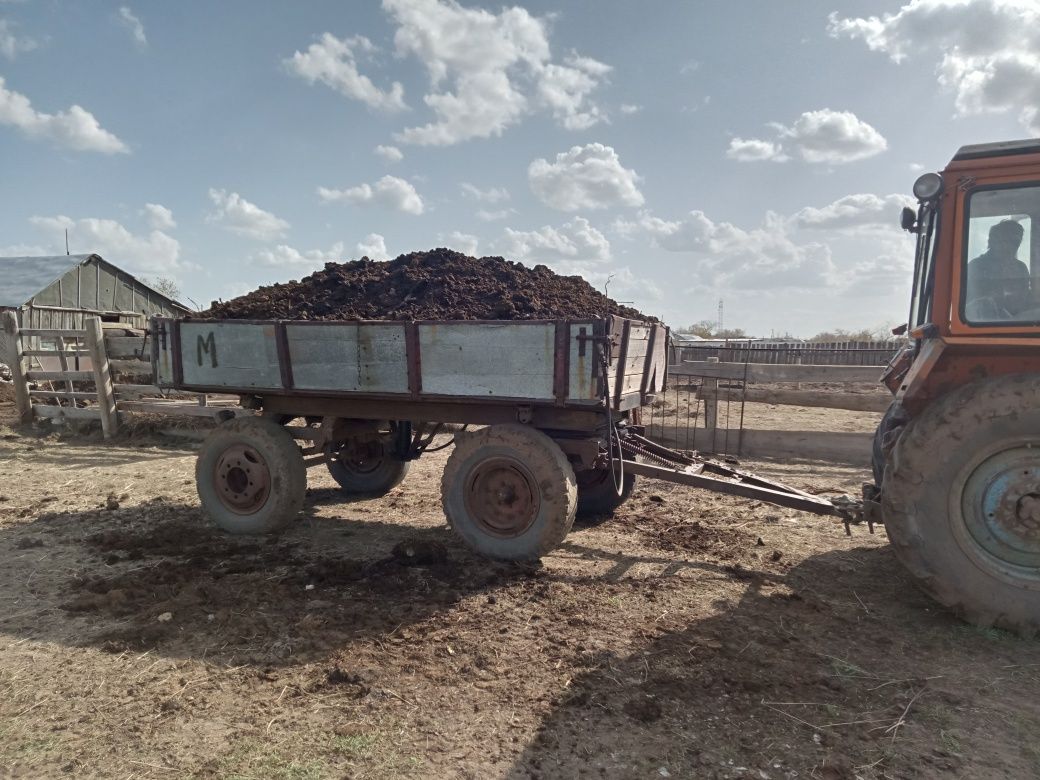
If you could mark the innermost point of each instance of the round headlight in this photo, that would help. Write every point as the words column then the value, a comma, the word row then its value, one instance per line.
column 927, row 186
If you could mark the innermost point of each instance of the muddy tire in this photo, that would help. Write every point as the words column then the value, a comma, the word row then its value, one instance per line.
column 885, row 435
column 509, row 492
column 250, row 476
column 961, row 502
column 372, row 476
column 597, row 496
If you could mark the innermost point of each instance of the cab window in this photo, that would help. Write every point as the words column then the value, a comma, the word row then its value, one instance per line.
column 1000, row 262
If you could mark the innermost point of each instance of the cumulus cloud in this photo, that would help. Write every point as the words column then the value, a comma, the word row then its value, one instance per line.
column 490, row 195
column 487, row 71
column 824, row 136
column 585, row 177
column 373, row 246
column 988, row 51
column 389, row 192
column 630, row 108
column 11, row 44
column 134, row 26
column 389, row 153
column 154, row 252
column 334, row 62
column 284, row 255
column 461, row 242
column 159, row 217
column 855, row 211
column 754, row 150
column 243, row 218
column 75, row 128
column 492, row 215
column 576, row 240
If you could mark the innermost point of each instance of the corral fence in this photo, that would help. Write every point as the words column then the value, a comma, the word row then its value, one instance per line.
column 829, row 353
column 101, row 371
column 708, row 404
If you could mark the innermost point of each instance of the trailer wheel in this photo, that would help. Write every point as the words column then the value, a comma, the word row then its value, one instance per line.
column 250, row 476
column 961, row 502
column 597, row 496
column 365, row 468
column 509, row 492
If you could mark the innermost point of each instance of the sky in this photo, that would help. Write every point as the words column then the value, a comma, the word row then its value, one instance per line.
column 674, row 154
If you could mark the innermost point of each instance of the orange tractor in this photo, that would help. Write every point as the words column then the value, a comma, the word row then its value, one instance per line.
column 957, row 456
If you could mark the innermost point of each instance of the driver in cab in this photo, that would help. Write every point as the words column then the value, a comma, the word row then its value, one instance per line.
column 998, row 282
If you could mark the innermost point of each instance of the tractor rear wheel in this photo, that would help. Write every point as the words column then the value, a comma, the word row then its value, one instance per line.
column 509, row 492
column 961, row 502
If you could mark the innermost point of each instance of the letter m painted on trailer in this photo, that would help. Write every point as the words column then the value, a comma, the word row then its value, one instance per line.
column 207, row 346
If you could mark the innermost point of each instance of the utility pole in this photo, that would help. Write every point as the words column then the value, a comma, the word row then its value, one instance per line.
column 718, row 327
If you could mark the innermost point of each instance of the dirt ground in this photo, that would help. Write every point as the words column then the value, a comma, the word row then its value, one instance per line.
column 694, row 635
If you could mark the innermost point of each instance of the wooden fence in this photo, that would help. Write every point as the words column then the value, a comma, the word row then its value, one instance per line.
column 715, row 392
column 71, row 374
column 832, row 353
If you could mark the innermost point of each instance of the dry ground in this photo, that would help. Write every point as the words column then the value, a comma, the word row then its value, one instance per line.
column 694, row 635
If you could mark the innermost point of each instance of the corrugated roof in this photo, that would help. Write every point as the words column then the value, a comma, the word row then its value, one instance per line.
column 22, row 277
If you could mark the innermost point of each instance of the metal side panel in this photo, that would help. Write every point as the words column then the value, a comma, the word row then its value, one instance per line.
column 511, row 360
column 582, row 385
column 350, row 357
column 229, row 354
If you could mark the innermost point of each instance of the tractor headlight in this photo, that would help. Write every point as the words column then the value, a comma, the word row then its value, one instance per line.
column 927, row 186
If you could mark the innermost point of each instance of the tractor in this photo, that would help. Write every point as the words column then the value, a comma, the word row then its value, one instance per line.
column 956, row 457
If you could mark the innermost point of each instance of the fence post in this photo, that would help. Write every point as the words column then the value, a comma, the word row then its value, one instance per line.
column 102, row 376
column 18, row 365
column 710, row 386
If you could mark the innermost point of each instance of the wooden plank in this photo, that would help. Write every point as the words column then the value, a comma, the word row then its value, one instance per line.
column 128, row 392
column 46, row 412
column 59, row 376
column 838, row 446
column 102, row 376
column 53, row 333
column 857, row 402
column 175, row 408
column 62, row 394
column 18, row 365
column 127, row 347
column 758, row 373
column 75, row 353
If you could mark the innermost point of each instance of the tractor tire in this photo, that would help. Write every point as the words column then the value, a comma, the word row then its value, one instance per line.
column 250, row 476
column 509, row 492
column 371, row 476
column 888, row 430
column 961, row 502
column 597, row 496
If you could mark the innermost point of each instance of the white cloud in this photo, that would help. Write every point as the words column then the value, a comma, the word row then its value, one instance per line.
column 159, row 217
column 824, row 136
column 491, row 216
column 575, row 240
column 373, row 246
column 238, row 215
column 754, row 150
column 487, row 71
column 490, row 195
column 133, row 24
column 154, row 252
column 389, row 153
column 630, row 108
column 461, row 242
column 11, row 45
column 585, row 177
column 855, row 211
column 390, row 192
column 726, row 255
column 988, row 50
column 333, row 62
column 75, row 128
column 284, row 255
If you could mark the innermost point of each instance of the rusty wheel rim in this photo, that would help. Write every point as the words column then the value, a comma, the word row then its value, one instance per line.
column 502, row 497
column 363, row 458
column 243, row 479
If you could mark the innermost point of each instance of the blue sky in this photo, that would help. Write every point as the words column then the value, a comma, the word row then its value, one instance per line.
column 686, row 152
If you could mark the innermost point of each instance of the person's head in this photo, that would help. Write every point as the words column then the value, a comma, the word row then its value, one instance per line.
column 1005, row 237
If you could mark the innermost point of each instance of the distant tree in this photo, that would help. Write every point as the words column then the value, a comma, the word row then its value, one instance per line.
column 878, row 333
column 165, row 285
column 706, row 330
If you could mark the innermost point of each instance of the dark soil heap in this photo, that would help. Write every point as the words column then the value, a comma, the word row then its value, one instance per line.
column 435, row 285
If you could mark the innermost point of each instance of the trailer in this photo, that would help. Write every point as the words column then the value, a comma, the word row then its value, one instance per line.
column 544, row 415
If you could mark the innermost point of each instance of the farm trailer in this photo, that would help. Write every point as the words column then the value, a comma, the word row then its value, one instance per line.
column 557, row 401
